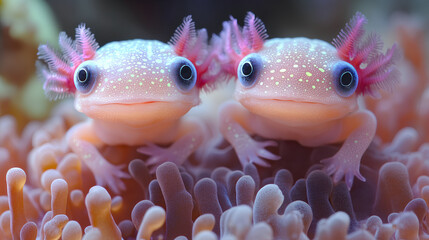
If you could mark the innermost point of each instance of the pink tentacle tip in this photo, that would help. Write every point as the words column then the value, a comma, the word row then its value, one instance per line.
column 257, row 33
column 192, row 44
column 86, row 42
column 57, row 69
column 375, row 70
column 239, row 42
column 183, row 35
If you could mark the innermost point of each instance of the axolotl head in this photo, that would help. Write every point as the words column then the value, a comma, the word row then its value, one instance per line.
column 135, row 82
column 138, row 79
column 303, row 80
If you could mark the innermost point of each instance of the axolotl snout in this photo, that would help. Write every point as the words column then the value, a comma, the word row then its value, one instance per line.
column 135, row 84
column 135, row 93
column 305, row 90
column 294, row 80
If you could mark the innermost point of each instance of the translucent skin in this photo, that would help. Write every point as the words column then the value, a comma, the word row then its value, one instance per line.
column 132, row 76
column 294, row 99
column 299, row 71
column 134, row 101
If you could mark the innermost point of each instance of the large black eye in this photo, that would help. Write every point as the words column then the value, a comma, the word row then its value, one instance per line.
column 345, row 79
column 85, row 77
column 184, row 73
column 248, row 69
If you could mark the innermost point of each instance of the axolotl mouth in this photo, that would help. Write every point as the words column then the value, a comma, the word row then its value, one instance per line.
column 297, row 112
column 137, row 114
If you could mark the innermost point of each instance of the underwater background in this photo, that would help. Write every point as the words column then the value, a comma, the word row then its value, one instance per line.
column 45, row 190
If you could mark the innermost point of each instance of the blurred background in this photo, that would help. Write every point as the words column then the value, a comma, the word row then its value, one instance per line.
column 117, row 20
column 27, row 23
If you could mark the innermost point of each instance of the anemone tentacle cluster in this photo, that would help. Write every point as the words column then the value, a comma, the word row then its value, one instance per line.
column 48, row 191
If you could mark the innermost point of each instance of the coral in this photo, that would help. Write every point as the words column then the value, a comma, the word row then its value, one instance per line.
column 55, row 197
column 47, row 193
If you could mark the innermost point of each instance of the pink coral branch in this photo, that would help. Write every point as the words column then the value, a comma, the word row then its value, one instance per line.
column 375, row 69
column 370, row 48
column 256, row 30
column 182, row 35
column 239, row 42
column 58, row 75
column 86, row 42
column 237, row 32
column 199, row 45
column 68, row 48
column 348, row 37
column 192, row 44
column 54, row 62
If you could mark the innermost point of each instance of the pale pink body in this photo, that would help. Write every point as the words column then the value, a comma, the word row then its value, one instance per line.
column 294, row 99
column 135, row 93
column 134, row 102
column 304, row 90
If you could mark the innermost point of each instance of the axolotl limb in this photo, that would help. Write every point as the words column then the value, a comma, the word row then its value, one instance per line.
column 135, row 93
column 305, row 90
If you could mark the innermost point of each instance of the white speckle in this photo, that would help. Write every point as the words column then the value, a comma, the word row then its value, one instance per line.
column 149, row 51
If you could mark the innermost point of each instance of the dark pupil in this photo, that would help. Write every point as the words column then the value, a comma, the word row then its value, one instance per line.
column 185, row 72
column 247, row 69
column 83, row 75
column 346, row 79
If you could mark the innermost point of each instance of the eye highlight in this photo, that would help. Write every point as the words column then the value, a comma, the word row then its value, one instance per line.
column 85, row 77
column 345, row 79
column 184, row 73
column 248, row 69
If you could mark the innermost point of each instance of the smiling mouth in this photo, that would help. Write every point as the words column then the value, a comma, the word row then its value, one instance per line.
column 131, row 103
column 292, row 101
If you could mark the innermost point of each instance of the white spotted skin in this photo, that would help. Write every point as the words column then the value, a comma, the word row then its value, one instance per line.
column 294, row 98
column 135, row 102
column 295, row 83
column 134, row 85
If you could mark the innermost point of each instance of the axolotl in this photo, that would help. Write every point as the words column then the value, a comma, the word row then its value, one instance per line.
column 135, row 93
column 305, row 90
